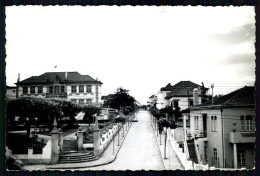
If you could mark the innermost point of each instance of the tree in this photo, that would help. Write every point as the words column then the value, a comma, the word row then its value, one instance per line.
column 89, row 112
column 164, row 122
column 121, row 99
column 30, row 109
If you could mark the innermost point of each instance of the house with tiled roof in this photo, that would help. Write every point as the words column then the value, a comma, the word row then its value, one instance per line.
column 181, row 94
column 152, row 100
column 73, row 86
column 223, row 133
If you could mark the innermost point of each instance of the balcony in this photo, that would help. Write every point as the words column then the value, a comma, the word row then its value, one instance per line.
column 55, row 95
column 202, row 134
column 242, row 137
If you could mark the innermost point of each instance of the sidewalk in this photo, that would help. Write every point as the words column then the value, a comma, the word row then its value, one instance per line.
column 171, row 162
column 108, row 156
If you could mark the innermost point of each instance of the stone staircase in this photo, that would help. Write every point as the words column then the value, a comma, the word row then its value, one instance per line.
column 77, row 157
column 192, row 151
column 69, row 146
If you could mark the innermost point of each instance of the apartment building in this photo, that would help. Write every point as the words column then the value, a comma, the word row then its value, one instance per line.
column 73, row 86
column 181, row 94
column 224, row 133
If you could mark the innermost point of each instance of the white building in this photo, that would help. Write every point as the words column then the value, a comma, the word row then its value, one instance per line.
column 181, row 94
column 82, row 89
column 164, row 91
column 11, row 92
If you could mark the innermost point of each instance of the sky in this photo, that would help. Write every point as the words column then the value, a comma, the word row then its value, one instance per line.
column 139, row 48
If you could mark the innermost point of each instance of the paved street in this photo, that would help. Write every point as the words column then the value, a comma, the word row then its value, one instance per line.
column 139, row 150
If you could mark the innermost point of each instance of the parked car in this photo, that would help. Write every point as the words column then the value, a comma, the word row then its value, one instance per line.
column 135, row 119
column 106, row 114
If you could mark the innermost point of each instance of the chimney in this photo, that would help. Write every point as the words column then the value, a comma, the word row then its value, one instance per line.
column 18, row 79
column 66, row 76
column 195, row 96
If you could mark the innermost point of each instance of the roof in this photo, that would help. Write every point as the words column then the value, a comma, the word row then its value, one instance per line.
column 105, row 97
column 153, row 96
column 50, row 77
column 10, row 87
column 240, row 97
column 182, row 89
column 168, row 87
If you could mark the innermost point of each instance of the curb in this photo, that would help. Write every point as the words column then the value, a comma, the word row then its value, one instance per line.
column 95, row 165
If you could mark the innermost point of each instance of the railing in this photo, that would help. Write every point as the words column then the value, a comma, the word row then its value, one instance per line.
column 242, row 137
column 197, row 153
column 53, row 95
column 186, row 149
column 203, row 134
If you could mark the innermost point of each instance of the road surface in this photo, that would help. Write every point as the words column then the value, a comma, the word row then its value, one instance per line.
column 139, row 150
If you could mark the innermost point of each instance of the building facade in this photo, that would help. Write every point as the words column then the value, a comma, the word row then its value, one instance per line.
column 181, row 94
column 152, row 100
column 72, row 86
column 11, row 92
column 224, row 132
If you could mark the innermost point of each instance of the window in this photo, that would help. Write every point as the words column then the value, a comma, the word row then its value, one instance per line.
column 32, row 90
column 89, row 88
column 51, row 89
column 247, row 123
column 73, row 89
column 81, row 101
column 74, row 100
column 190, row 103
column 25, row 90
column 205, row 152
column 242, row 118
column 81, row 88
column 40, row 89
column 96, row 93
column 62, row 89
column 215, row 156
column 196, row 122
column 176, row 104
column 213, row 123
column 241, row 158
column 56, row 89
column 89, row 101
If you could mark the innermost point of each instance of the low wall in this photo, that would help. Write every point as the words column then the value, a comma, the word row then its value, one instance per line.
column 183, row 157
column 187, row 165
column 107, row 137
column 105, row 140
column 31, row 158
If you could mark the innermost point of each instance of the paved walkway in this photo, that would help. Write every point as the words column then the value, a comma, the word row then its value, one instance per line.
column 171, row 162
column 139, row 150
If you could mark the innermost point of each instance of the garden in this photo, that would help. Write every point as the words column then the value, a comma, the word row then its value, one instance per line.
column 29, row 117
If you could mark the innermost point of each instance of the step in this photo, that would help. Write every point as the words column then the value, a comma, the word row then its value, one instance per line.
column 76, row 154
column 76, row 157
column 78, row 161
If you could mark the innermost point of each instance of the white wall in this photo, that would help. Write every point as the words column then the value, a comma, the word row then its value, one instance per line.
column 161, row 101
column 183, row 101
column 11, row 93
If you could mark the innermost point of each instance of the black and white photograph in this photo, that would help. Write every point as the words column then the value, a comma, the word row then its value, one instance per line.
column 130, row 88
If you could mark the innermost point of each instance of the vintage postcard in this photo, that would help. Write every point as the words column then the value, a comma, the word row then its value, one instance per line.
column 130, row 88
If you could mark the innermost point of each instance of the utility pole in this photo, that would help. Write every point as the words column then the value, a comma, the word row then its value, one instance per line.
column 212, row 86
column 188, row 98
